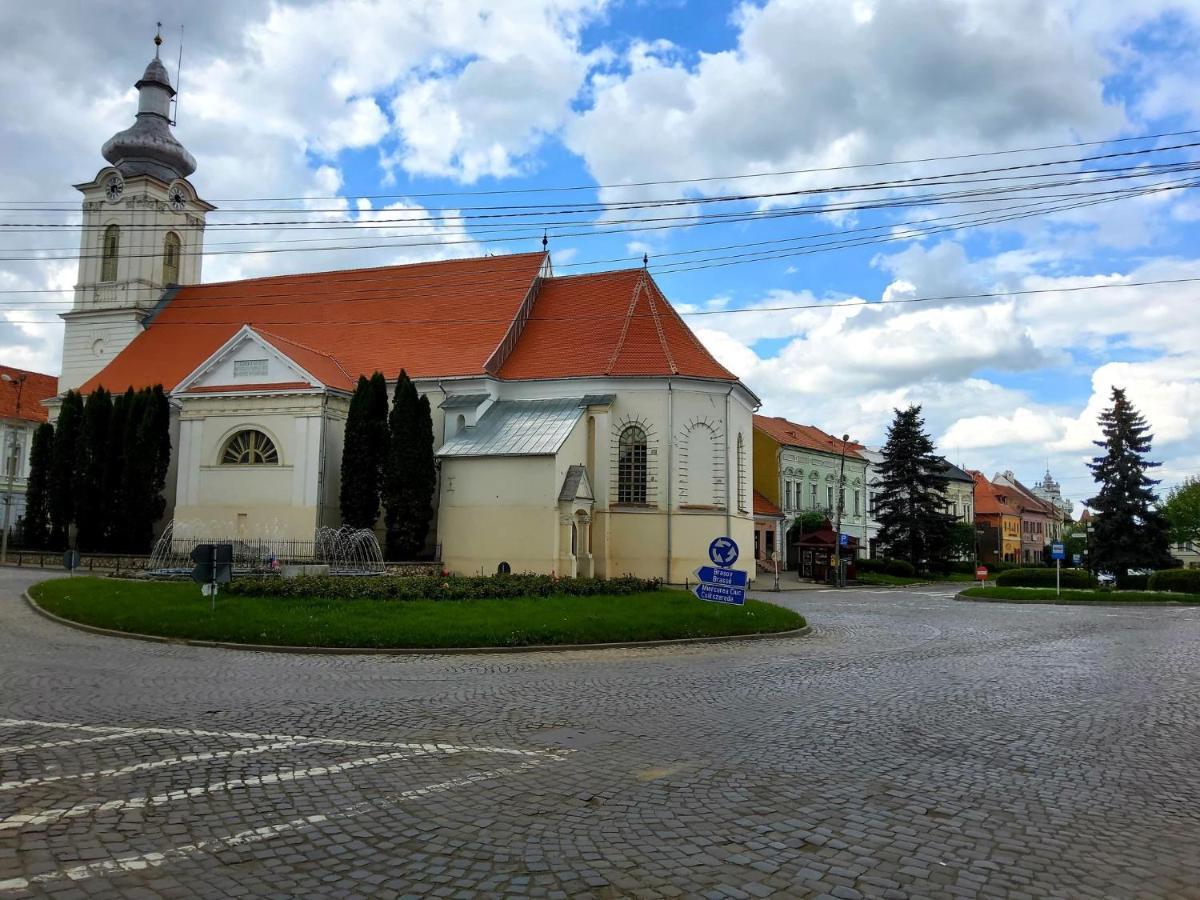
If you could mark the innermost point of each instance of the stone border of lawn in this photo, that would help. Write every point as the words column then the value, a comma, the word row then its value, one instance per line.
column 1114, row 604
column 404, row 651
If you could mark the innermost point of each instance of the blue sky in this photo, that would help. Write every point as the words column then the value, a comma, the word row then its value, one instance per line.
column 340, row 100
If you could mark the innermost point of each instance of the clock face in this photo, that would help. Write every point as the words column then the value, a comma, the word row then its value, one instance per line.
column 113, row 189
column 176, row 199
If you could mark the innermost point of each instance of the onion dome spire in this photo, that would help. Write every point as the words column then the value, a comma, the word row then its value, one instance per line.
column 149, row 147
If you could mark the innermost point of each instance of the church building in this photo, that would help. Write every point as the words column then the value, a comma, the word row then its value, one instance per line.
column 580, row 426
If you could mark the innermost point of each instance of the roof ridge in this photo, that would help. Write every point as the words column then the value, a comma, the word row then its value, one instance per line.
column 691, row 335
column 662, row 338
column 329, row 356
column 612, row 360
column 423, row 262
column 595, row 274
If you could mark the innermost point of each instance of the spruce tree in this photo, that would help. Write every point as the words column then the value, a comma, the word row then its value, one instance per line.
column 911, row 499
column 61, row 487
column 37, row 491
column 359, row 476
column 409, row 471
column 92, row 513
column 1129, row 533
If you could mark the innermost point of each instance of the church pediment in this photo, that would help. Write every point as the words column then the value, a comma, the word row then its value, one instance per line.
column 248, row 360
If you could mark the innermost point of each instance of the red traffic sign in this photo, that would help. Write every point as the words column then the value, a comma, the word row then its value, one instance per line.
column 981, row 573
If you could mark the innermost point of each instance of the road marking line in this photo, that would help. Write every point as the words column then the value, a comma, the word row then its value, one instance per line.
column 50, row 745
column 137, row 862
column 254, row 736
column 22, row 820
column 156, row 764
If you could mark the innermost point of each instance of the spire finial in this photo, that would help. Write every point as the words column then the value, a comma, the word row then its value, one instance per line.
column 645, row 260
column 157, row 39
column 545, row 240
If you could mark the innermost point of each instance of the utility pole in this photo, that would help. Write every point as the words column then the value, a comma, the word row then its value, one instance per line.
column 839, row 578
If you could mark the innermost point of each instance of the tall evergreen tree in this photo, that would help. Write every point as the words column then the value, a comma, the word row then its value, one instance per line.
column 380, row 437
column 92, row 513
column 1129, row 533
column 409, row 471
column 911, row 499
column 148, row 457
column 114, row 465
column 37, row 490
column 61, row 487
column 359, row 495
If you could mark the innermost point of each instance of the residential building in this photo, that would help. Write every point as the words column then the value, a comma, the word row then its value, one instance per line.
column 580, row 426
column 959, row 495
column 1188, row 554
column 1041, row 522
column 997, row 522
column 21, row 411
column 797, row 468
column 770, row 531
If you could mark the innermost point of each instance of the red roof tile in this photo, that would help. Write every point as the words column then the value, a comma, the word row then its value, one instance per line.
column 608, row 323
column 434, row 319
column 35, row 388
column 806, row 437
column 989, row 498
column 764, row 507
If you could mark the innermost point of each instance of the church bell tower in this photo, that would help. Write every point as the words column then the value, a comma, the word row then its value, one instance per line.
column 143, row 233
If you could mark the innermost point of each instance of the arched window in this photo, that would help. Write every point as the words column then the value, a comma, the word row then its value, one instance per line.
column 108, row 257
column 741, row 475
column 249, row 448
column 170, row 273
column 631, row 466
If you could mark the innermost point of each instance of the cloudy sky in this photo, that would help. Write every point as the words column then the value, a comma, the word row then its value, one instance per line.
column 420, row 113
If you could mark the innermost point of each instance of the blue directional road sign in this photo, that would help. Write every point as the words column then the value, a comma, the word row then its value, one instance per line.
column 720, row 593
column 1078, row 558
column 1057, row 551
column 723, row 551
column 728, row 577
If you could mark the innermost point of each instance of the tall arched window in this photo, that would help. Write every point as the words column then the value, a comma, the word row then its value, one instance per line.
column 249, row 448
column 170, row 273
column 108, row 257
column 631, row 466
column 741, row 475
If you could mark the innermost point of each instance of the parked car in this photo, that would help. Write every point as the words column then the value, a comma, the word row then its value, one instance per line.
column 1106, row 579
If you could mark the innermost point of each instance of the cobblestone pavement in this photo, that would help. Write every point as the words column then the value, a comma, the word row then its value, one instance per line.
column 913, row 746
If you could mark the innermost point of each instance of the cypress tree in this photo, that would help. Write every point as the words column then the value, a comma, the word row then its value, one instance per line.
column 359, row 495
column 409, row 471
column 148, row 457
column 1129, row 533
column 912, row 524
column 37, row 490
column 92, row 513
column 114, row 464
column 380, row 438
column 134, row 473
column 61, row 488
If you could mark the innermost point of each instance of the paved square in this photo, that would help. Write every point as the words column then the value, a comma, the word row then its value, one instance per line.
column 914, row 746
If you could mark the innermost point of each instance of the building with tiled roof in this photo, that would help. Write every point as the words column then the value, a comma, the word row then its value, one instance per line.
column 997, row 521
column 1041, row 521
column 22, row 410
column 581, row 426
column 798, row 468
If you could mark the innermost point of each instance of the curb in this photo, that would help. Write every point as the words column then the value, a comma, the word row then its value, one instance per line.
column 404, row 651
column 1118, row 604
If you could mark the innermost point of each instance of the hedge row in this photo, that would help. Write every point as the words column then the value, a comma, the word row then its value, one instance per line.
column 422, row 587
column 885, row 566
column 1071, row 578
column 1177, row 581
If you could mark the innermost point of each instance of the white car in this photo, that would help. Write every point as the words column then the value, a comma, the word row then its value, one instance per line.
column 1106, row 579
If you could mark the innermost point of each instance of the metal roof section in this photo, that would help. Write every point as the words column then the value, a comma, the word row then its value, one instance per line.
column 576, row 485
column 517, row 428
column 598, row 400
column 953, row 472
column 463, row 401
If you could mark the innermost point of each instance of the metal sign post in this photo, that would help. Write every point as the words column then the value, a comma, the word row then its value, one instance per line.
column 1057, row 552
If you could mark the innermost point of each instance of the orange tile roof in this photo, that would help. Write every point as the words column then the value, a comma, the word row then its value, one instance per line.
column 607, row 323
column 806, row 437
column 35, row 388
column 764, row 507
column 989, row 497
column 434, row 319
column 1031, row 502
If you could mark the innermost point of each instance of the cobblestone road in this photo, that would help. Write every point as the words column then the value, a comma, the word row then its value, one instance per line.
column 914, row 746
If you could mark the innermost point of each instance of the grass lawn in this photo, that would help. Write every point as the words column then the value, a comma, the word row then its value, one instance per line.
column 881, row 578
column 1046, row 595
column 174, row 609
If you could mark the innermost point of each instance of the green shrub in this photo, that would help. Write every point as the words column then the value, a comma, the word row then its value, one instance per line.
column 900, row 567
column 963, row 567
column 878, row 564
column 1071, row 578
column 1133, row 582
column 1178, row 581
column 425, row 587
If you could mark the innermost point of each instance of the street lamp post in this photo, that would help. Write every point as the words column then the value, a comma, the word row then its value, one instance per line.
column 839, row 578
column 10, row 462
